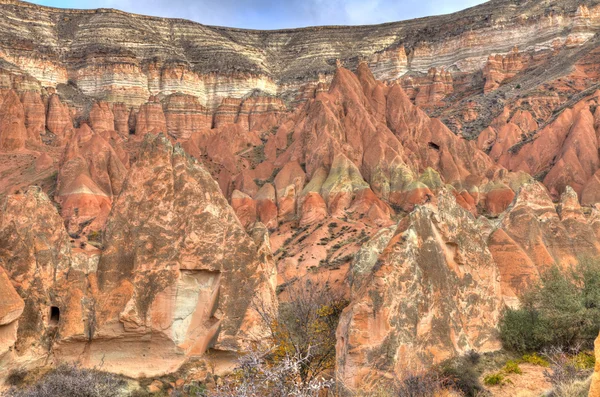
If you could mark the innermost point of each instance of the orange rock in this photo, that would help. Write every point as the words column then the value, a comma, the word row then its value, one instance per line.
column 58, row 117
column 184, row 115
column 244, row 207
column 35, row 115
column 90, row 176
column 121, row 114
column 150, row 118
column 266, row 206
column 13, row 133
column 500, row 68
column 101, row 117
column 595, row 388
column 411, row 282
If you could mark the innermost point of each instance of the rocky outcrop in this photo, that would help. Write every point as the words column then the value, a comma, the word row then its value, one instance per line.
column 91, row 176
column 430, row 89
column 58, row 117
column 166, row 304
column 34, row 111
column 13, row 133
column 533, row 236
column 184, row 115
column 36, row 254
column 426, row 290
column 106, row 54
column 500, row 68
column 102, row 118
column 595, row 388
column 150, row 118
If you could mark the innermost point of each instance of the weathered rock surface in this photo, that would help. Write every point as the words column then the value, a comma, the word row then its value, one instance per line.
column 382, row 183
column 427, row 292
column 91, row 176
column 595, row 388
column 162, row 304
column 13, row 133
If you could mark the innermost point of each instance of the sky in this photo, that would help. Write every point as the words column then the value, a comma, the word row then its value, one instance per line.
column 277, row 14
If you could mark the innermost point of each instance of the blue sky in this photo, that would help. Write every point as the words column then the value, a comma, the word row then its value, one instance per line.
column 276, row 14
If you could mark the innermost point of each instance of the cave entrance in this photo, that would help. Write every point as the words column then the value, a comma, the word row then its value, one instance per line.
column 434, row 146
column 54, row 315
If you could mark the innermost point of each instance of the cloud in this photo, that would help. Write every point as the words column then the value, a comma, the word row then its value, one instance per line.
column 276, row 14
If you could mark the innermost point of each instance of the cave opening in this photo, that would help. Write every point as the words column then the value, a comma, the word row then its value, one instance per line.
column 54, row 315
column 434, row 146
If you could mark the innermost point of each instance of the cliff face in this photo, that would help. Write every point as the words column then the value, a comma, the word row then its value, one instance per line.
column 122, row 57
column 428, row 170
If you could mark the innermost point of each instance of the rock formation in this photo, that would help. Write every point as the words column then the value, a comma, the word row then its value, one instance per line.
column 427, row 292
column 595, row 388
column 158, row 175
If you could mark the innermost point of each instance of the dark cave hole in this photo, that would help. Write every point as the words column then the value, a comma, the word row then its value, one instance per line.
column 54, row 315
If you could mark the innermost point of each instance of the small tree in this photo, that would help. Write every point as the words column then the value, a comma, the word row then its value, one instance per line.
column 305, row 327
column 563, row 309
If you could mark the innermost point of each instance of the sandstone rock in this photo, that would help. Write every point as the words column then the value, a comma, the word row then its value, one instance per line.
column 121, row 115
column 58, row 117
column 12, row 122
column 288, row 182
column 101, row 117
column 266, row 206
column 244, row 207
column 36, row 254
column 166, row 304
column 90, row 176
column 35, row 115
column 184, row 115
column 11, row 306
column 500, row 68
column 595, row 388
column 150, row 118
column 533, row 237
column 405, row 309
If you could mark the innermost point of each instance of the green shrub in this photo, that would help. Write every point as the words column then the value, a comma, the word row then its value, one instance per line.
column 584, row 360
column 493, row 379
column 535, row 359
column 563, row 309
column 512, row 367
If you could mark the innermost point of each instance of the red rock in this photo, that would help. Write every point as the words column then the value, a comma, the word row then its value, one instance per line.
column 244, row 207
column 12, row 122
column 266, row 206
column 313, row 209
column 227, row 112
column 90, row 176
column 146, row 285
column 150, row 118
column 58, row 117
column 289, row 182
column 101, row 117
column 184, row 115
column 35, row 115
column 498, row 199
column 121, row 114
column 409, row 283
column 500, row 68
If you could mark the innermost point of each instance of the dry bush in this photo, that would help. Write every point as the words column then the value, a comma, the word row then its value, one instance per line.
column 566, row 374
column 305, row 327
column 69, row 380
column 256, row 375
